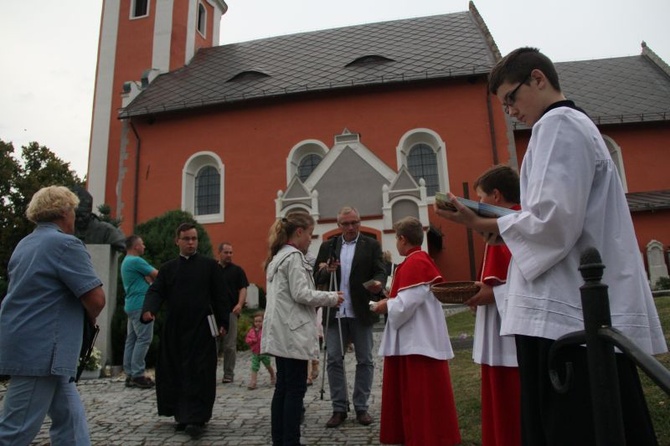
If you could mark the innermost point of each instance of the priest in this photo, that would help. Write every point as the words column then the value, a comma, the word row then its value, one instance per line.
column 191, row 287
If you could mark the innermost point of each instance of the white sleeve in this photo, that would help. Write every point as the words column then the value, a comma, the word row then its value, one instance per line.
column 556, row 180
column 402, row 307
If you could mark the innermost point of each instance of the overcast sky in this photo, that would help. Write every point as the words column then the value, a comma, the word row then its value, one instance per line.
column 48, row 49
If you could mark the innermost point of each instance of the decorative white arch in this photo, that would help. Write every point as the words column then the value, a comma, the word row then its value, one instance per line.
column 301, row 150
column 431, row 139
column 191, row 168
column 615, row 152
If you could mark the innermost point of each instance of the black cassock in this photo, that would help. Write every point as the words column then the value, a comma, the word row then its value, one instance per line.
column 186, row 368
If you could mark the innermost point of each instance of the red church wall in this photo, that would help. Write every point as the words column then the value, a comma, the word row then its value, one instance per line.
column 254, row 141
column 642, row 146
column 178, row 38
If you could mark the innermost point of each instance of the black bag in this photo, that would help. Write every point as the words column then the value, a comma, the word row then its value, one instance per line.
column 88, row 341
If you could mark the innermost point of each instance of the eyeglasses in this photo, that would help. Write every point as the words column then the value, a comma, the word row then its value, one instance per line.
column 350, row 223
column 188, row 239
column 510, row 98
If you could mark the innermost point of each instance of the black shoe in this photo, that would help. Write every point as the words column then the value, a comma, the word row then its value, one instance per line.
column 337, row 419
column 195, row 430
column 128, row 382
column 180, row 427
column 363, row 417
column 142, row 382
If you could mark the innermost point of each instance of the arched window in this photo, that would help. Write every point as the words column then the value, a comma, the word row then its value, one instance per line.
column 303, row 158
column 203, row 180
column 422, row 163
column 423, row 153
column 207, row 191
column 307, row 165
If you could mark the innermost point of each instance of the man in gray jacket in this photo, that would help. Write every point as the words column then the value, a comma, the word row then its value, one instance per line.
column 355, row 259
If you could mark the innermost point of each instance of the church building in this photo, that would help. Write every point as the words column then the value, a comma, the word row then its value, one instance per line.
column 377, row 116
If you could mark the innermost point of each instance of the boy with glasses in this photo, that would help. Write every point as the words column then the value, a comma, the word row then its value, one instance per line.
column 571, row 199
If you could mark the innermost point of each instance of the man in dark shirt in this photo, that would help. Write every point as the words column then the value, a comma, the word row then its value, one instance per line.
column 235, row 284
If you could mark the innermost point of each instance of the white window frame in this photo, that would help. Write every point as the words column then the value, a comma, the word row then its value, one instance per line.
column 615, row 153
column 203, row 31
column 432, row 140
column 132, row 10
column 301, row 150
column 191, row 168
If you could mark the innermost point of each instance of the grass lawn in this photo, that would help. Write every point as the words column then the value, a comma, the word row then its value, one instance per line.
column 465, row 377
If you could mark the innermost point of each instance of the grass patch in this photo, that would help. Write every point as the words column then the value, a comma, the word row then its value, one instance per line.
column 466, row 380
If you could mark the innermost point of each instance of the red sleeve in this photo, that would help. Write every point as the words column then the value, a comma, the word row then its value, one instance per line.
column 495, row 265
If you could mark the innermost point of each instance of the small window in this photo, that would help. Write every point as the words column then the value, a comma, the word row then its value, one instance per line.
column 207, row 190
column 422, row 163
column 202, row 19
column 140, row 8
column 307, row 165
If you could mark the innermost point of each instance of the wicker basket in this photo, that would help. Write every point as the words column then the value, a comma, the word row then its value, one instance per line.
column 454, row 292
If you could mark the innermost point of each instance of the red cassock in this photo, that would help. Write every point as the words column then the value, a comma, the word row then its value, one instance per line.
column 418, row 406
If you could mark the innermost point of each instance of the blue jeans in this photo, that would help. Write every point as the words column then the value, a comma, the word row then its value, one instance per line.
column 30, row 398
column 287, row 401
column 138, row 340
column 361, row 337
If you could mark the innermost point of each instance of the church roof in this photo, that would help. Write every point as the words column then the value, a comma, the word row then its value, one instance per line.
column 618, row 90
column 418, row 49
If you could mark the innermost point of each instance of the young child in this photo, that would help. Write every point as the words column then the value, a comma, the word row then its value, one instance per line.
column 253, row 340
column 501, row 400
column 290, row 331
column 417, row 399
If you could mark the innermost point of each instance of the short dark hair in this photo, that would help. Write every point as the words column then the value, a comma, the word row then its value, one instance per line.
column 503, row 178
column 184, row 227
column 130, row 241
column 222, row 244
column 410, row 228
column 517, row 66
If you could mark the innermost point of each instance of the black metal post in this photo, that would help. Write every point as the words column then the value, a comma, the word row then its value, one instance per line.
column 603, row 376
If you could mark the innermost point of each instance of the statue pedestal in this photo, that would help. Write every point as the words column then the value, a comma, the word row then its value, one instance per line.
column 106, row 264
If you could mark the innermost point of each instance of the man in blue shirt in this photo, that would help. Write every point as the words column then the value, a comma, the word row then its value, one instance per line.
column 136, row 274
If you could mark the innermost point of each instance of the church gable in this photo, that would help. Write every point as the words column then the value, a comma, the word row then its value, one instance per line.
column 350, row 180
column 404, row 184
column 296, row 189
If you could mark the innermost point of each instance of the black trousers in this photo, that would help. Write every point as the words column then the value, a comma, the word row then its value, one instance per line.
column 287, row 402
column 549, row 418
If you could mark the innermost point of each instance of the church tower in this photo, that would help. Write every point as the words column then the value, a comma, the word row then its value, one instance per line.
column 139, row 39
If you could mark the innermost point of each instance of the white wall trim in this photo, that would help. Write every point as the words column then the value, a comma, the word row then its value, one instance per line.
column 160, row 57
column 102, row 103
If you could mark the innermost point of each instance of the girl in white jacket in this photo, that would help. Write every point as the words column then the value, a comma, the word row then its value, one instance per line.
column 289, row 332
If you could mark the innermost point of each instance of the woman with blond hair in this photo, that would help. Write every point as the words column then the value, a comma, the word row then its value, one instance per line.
column 289, row 332
column 52, row 285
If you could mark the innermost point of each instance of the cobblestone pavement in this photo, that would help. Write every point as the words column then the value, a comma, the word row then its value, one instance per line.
column 118, row 415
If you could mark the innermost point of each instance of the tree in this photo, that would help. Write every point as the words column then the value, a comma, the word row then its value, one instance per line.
column 38, row 167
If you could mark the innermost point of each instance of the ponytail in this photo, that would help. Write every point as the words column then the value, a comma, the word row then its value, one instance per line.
column 282, row 230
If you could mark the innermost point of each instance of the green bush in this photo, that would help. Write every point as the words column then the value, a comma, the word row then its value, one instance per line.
column 663, row 283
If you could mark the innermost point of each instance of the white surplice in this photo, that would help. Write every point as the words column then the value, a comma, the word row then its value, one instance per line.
column 572, row 199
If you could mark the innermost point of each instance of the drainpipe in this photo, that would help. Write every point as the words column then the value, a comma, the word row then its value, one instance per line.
column 138, row 145
column 492, row 130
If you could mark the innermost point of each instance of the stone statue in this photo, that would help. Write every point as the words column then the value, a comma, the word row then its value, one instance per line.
column 90, row 229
